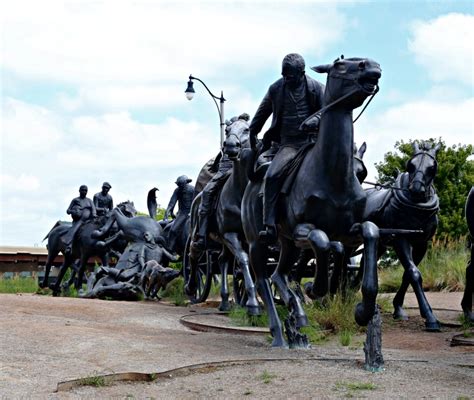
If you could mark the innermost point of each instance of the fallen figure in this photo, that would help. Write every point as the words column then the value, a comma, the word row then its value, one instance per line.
column 155, row 277
column 124, row 282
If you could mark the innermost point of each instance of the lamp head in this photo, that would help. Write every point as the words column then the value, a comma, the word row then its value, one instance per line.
column 189, row 92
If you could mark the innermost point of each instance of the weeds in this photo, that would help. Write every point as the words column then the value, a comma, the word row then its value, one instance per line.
column 350, row 387
column 174, row 292
column 18, row 285
column 267, row 377
column 93, row 380
column 442, row 268
column 345, row 337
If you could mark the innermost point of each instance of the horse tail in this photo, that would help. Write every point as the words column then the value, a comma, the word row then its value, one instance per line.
column 54, row 226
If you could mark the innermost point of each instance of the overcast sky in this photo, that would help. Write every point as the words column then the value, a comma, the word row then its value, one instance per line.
column 93, row 90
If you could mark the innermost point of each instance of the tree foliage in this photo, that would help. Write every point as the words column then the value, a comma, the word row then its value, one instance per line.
column 453, row 181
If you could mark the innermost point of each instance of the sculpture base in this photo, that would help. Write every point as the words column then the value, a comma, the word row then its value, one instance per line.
column 373, row 345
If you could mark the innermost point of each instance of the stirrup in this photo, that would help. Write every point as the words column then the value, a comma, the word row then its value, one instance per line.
column 269, row 235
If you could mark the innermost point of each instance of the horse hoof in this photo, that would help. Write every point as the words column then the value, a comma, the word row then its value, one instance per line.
column 469, row 316
column 432, row 326
column 253, row 310
column 400, row 314
column 281, row 343
column 301, row 321
column 361, row 316
column 224, row 306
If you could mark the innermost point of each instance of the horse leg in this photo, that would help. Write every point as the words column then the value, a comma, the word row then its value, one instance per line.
column 258, row 261
column 466, row 302
column 193, row 257
column 398, row 311
column 56, row 287
column 404, row 253
column 321, row 246
column 339, row 272
column 224, row 258
column 366, row 309
column 52, row 254
column 233, row 244
column 288, row 256
column 80, row 273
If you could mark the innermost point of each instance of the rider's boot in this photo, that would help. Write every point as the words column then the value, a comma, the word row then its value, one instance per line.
column 200, row 242
column 269, row 235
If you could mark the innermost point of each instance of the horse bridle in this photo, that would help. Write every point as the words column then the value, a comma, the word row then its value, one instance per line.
column 417, row 171
column 355, row 90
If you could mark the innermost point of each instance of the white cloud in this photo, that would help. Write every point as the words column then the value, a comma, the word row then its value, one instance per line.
column 444, row 47
column 422, row 119
column 28, row 127
column 41, row 173
column 146, row 42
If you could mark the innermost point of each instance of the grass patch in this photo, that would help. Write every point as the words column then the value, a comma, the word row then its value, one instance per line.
column 442, row 268
column 350, row 387
column 93, row 380
column 174, row 292
column 337, row 315
column 267, row 377
column 238, row 315
column 345, row 337
column 18, row 285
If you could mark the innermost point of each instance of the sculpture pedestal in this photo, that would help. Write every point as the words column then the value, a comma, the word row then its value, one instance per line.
column 373, row 344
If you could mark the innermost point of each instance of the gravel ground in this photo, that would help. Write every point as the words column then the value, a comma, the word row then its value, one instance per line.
column 46, row 340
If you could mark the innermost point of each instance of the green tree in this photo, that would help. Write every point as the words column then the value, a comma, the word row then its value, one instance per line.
column 453, row 181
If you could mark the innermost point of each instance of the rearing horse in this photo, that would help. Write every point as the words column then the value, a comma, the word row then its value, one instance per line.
column 227, row 228
column 323, row 209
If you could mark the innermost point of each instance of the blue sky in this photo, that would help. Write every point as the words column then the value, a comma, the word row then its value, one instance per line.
column 94, row 90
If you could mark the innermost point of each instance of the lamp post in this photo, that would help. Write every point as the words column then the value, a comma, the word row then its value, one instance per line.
column 220, row 108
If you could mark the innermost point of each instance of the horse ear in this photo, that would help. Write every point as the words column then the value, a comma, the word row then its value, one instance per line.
column 416, row 147
column 362, row 150
column 436, row 148
column 322, row 68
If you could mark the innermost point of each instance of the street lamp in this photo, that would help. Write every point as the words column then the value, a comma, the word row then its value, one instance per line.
column 190, row 94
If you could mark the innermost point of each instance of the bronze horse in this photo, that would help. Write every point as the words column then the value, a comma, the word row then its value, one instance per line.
column 467, row 299
column 227, row 227
column 83, row 248
column 323, row 210
column 411, row 205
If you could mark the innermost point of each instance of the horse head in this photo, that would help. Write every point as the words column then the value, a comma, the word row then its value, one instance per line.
column 350, row 81
column 128, row 209
column 236, row 136
column 422, row 168
column 359, row 167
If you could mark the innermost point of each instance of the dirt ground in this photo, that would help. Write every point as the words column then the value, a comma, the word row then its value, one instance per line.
column 46, row 340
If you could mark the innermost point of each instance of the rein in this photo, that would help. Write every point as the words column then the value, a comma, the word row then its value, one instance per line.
column 355, row 90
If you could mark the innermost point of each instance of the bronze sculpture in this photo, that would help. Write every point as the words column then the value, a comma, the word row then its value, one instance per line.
column 176, row 231
column 81, row 209
column 324, row 204
column 467, row 299
column 412, row 204
column 103, row 201
column 226, row 226
column 222, row 168
column 291, row 100
column 124, row 281
column 83, row 247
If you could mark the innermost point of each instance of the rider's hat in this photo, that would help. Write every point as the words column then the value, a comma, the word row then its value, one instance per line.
column 107, row 185
column 182, row 180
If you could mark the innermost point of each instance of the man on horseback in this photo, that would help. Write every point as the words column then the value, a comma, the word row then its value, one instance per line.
column 103, row 201
column 222, row 167
column 291, row 100
column 183, row 195
column 81, row 210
